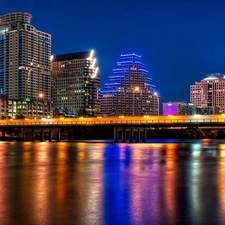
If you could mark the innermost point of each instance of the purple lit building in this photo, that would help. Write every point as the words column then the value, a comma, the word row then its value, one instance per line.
column 178, row 108
column 129, row 91
column 170, row 109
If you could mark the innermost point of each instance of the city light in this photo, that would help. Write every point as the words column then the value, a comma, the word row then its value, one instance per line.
column 41, row 95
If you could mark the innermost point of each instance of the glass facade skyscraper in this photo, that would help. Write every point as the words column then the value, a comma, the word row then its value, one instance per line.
column 24, row 63
column 130, row 91
column 76, row 83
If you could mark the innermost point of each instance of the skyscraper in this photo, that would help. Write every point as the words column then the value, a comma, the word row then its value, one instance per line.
column 209, row 92
column 76, row 83
column 24, row 63
column 130, row 91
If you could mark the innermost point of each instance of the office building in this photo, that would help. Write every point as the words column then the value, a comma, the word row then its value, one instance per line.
column 3, row 106
column 76, row 84
column 24, row 65
column 207, row 110
column 129, row 91
column 209, row 92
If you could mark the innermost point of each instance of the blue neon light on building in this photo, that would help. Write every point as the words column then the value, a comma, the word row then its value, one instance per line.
column 119, row 96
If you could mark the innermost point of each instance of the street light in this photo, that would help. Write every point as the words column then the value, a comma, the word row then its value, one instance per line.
column 135, row 89
column 40, row 96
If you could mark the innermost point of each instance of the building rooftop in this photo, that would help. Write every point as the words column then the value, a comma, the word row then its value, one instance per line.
column 210, row 78
column 71, row 56
column 214, row 76
column 8, row 18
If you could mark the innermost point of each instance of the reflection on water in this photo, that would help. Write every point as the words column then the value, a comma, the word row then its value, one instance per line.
column 106, row 183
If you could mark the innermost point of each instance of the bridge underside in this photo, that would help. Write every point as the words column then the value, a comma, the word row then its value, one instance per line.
column 118, row 132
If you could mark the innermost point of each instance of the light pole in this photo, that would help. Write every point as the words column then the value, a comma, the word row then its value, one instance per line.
column 135, row 89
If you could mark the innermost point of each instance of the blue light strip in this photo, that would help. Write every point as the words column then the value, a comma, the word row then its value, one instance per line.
column 119, row 76
column 130, row 55
column 125, row 62
column 150, row 85
column 113, row 84
column 121, row 69
column 143, row 70
column 131, row 62
column 108, row 92
column 139, row 62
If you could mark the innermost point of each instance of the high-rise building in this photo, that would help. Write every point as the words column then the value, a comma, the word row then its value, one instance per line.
column 130, row 91
column 209, row 92
column 76, row 83
column 24, row 65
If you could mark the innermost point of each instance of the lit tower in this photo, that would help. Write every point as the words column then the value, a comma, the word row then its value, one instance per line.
column 209, row 92
column 24, row 63
column 76, row 83
column 130, row 91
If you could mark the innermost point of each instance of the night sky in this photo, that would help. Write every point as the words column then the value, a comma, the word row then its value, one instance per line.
column 180, row 41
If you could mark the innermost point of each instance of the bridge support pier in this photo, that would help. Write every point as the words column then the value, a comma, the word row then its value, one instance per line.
column 123, row 135
column 144, row 136
column 138, row 135
column 22, row 134
column 50, row 135
column 133, row 134
column 115, row 134
column 42, row 135
column 33, row 135
column 3, row 133
column 58, row 135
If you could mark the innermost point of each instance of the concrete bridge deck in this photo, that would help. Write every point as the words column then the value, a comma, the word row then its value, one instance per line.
column 204, row 120
column 124, row 127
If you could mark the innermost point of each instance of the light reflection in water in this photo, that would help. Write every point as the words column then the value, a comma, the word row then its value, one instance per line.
column 38, row 187
column 170, row 179
column 221, row 179
column 100, row 183
column 4, row 207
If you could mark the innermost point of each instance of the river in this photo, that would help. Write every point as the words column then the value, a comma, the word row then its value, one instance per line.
column 79, row 183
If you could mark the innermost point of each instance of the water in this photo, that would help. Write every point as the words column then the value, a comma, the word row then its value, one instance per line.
column 44, row 183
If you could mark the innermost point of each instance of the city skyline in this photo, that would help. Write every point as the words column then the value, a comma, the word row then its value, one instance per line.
column 179, row 42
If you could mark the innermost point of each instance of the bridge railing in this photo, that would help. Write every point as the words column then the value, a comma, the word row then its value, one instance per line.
column 111, row 121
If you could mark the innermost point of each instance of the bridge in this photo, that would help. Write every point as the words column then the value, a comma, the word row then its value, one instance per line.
column 131, row 127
